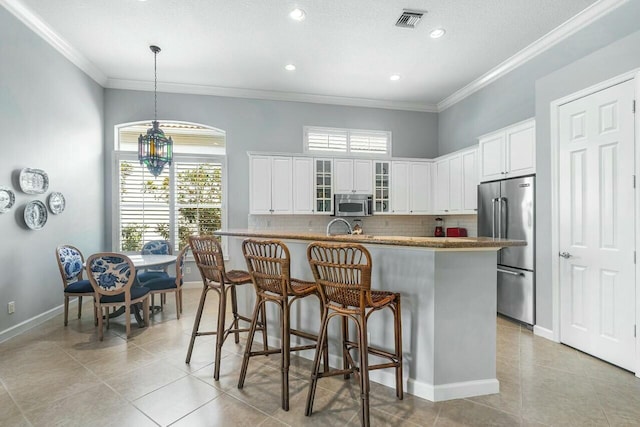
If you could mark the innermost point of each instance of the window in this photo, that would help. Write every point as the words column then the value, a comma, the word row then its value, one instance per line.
column 347, row 141
column 185, row 199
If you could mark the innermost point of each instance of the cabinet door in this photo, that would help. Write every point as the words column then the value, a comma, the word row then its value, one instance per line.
column 521, row 149
column 419, row 184
column 400, row 187
column 442, row 186
column 303, row 199
column 492, row 159
column 470, row 181
column 323, row 186
column 260, row 185
column 455, row 184
column 343, row 176
column 281, row 185
column 381, row 200
column 363, row 176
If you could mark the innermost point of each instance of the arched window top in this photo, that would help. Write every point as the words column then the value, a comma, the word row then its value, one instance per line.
column 188, row 138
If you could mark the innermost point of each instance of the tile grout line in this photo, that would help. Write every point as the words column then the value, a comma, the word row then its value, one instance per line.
column 14, row 402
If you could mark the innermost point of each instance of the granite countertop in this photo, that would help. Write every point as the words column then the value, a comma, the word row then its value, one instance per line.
column 424, row 242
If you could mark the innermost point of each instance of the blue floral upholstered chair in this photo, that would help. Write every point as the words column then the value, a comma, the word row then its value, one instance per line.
column 71, row 264
column 155, row 247
column 112, row 276
column 164, row 285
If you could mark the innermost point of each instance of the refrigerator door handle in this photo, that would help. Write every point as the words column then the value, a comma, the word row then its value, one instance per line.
column 506, row 213
column 513, row 273
column 493, row 217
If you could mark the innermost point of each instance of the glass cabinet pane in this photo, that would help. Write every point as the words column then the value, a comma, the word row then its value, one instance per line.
column 381, row 190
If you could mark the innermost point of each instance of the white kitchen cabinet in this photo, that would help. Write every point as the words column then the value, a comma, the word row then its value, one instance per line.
column 270, row 189
column 410, row 184
column 323, row 186
column 381, row 186
column 303, row 200
column 353, row 176
column 455, row 183
column 508, row 152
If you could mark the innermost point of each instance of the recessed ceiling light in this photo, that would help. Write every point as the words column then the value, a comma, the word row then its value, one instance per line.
column 290, row 67
column 437, row 33
column 394, row 77
column 297, row 14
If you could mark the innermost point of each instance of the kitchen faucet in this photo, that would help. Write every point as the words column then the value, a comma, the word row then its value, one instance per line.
column 333, row 221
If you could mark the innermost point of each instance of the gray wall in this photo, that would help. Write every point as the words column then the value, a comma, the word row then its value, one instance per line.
column 51, row 118
column 271, row 126
column 602, row 50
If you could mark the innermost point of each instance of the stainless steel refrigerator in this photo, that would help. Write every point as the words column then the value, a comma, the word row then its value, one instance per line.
column 506, row 209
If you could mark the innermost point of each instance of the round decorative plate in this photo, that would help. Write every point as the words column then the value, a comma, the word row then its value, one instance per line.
column 7, row 199
column 56, row 202
column 35, row 215
column 33, row 181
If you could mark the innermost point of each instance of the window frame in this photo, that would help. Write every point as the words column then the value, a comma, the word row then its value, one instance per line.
column 132, row 156
column 348, row 153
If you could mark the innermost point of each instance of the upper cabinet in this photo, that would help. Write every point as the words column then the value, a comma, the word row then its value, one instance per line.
column 381, row 186
column 353, row 176
column 270, row 189
column 323, row 186
column 455, row 181
column 303, row 199
column 508, row 152
column 410, row 184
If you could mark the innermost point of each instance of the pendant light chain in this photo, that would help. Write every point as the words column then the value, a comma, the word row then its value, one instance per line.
column 155, row 86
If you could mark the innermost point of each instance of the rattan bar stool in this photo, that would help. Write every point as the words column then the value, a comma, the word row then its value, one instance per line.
column 343, row 275
column 207, row 253
column 268, row 262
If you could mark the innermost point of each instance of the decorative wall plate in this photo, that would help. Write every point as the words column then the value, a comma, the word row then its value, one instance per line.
column 35, row 215
column 56, row 203
column 33, row 181
column 7, row 199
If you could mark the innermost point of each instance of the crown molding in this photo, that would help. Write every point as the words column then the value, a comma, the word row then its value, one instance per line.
column 268, row 95
column 594, row 12
column 38, row 26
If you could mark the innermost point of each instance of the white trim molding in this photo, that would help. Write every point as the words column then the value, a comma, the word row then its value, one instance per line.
column 544, row 333
column 41, row 28
column 592, row 13
column 31, row 323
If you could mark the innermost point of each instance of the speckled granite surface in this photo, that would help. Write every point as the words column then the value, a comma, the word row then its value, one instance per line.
column 424, row 242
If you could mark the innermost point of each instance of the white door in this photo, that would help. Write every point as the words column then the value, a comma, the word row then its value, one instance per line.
column 343, row 173
column 303, row 185
column 419, row 185
column 260, row 187
column 596, row 219
column 400, row 187
column 363, row 176
column 281, row 185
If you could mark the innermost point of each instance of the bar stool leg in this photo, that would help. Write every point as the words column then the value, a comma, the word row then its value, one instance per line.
column 364, row 370
column 345, row 351
column 286, row 355
column 397, row 315
column 196, row 323
column 322, row 342
column 234, row 308
column 259, row 307
column 222, row 308
column 263, row 320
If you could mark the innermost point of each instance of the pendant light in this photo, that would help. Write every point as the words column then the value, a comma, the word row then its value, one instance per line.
column 155, row 150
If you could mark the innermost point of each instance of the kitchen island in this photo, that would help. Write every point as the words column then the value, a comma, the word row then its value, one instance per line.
column 448, row 288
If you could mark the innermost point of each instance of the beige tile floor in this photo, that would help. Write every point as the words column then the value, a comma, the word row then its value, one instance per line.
column 57, row 376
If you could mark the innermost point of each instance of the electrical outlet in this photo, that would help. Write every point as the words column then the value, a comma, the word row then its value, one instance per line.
column 188, row 270
column 11, row 307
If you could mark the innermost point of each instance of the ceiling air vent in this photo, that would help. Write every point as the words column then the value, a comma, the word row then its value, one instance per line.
column 409, row 18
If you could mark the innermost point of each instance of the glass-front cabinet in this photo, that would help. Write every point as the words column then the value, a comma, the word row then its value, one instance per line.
column 381, row 187
column 323, row 186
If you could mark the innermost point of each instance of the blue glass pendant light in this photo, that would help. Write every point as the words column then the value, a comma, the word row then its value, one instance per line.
column 155, row 150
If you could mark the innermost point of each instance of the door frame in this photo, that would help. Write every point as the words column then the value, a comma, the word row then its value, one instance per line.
column 555, row 201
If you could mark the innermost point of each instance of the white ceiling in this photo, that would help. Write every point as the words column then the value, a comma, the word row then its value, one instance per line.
column 344, row 49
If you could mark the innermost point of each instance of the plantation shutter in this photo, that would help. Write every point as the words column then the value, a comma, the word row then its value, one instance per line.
column 369, row 142
column 320, row 139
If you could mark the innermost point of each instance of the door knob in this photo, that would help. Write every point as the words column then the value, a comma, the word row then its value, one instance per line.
column 565, row 255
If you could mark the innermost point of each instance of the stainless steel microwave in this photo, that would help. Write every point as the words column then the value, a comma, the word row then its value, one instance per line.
column 353, row 204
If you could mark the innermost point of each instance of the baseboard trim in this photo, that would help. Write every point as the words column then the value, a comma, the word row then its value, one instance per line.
column 35, row 321
column 543, row 332
column 192, row 285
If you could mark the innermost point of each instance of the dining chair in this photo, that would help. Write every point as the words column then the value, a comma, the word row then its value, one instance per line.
column 268, row 263
column 343, row 274
column 71, row 263
column 164, row 285
column 207, row 253
column 155, row 247
column 112, row 276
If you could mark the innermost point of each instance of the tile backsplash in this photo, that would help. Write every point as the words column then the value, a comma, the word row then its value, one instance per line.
column 387, row 225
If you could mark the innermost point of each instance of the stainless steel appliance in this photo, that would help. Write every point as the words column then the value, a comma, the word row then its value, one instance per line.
column 506, row 209
column 353, row 204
